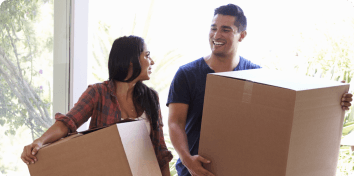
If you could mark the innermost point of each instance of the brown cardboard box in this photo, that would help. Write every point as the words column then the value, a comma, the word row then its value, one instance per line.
column 124, row 149
column 270, row 123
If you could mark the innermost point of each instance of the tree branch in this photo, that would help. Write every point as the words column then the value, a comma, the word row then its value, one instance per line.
column 22, row 95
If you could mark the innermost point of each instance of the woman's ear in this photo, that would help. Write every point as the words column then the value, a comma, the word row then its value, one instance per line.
column 130, row 71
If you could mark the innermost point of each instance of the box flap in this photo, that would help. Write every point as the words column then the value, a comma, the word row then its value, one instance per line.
column 280, row 79
column 138, row 148
column 98, row 128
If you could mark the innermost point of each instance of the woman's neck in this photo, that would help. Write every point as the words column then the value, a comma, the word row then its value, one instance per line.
column 124, row 89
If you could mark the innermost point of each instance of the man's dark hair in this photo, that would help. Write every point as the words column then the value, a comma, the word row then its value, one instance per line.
column 237, row 12
column 126, row 50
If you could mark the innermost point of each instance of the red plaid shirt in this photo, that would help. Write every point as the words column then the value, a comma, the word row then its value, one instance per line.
column 99, row 102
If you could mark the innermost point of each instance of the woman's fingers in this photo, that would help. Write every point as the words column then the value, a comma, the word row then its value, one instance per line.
column 23, row 156
column 28, row 154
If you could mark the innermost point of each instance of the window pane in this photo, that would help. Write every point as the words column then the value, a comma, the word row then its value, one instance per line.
column 26, row 78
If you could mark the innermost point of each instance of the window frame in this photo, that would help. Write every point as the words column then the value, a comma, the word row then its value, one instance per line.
column 70, row 60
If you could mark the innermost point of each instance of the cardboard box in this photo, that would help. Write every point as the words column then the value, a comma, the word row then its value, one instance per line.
column 124, row 149
column 270, row 123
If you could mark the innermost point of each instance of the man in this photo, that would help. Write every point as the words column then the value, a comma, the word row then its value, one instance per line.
column 186, row 96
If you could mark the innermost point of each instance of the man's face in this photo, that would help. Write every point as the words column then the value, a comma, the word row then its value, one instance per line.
column 223, row 35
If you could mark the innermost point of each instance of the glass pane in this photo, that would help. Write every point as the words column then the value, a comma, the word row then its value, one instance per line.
column 26, row 71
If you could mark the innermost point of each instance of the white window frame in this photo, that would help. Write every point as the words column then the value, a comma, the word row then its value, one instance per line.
column 70, row 54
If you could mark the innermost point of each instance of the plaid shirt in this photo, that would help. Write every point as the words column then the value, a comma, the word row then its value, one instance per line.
column 99, row 102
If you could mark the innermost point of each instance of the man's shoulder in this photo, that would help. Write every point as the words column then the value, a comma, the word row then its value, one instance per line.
column 247, row 64
column 191, row 66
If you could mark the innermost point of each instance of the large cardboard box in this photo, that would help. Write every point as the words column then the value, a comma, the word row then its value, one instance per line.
column 270, row 123
column 123, row 149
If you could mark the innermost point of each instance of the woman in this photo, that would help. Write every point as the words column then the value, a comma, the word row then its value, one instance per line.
column 122, row 97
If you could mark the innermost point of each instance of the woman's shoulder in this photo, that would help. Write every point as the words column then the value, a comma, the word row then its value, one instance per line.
column 101, row 87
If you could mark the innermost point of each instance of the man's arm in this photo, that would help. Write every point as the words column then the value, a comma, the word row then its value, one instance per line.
column 177, row 122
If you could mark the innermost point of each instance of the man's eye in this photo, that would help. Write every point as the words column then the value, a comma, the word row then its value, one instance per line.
column 213, row 29
column 226, row 30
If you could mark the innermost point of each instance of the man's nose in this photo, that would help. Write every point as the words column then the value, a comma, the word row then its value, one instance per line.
column 217, row 34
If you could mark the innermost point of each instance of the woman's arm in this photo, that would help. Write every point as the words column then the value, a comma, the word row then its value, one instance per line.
column 166, row 171
column 57, row 131
column 64, row 124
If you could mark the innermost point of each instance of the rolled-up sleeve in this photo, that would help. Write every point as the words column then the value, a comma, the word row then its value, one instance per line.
column 81, row 111
column 164, row 156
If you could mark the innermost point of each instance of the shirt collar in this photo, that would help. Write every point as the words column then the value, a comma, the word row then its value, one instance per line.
column 111, row 87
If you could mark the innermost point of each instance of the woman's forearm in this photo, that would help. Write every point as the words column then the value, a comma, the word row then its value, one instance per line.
column 166, row 170
column 57, row 131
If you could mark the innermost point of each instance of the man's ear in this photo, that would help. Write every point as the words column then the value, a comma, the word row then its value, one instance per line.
column 242, row 35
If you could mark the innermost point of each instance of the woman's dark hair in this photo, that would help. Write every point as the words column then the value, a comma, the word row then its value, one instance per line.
column 126, row 50
column 237, row 12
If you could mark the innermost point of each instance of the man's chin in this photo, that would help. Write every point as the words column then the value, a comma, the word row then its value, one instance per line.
column 218, row 53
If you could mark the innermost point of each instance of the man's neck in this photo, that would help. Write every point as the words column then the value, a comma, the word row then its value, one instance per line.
column 222, row 63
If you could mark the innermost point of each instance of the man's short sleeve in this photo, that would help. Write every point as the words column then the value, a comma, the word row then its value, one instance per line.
column 179, row 89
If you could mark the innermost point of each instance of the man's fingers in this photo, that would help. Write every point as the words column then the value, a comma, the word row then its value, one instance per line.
column 346, row 104
column 347, row 99
column 347, row 95
column 203, row 160
column 202, row 172
column 208, row 173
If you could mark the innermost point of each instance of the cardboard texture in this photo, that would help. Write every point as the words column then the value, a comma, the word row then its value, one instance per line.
column 124, row 149
column 271, row 123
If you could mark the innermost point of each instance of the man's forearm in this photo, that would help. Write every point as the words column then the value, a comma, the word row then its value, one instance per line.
column 179, row 140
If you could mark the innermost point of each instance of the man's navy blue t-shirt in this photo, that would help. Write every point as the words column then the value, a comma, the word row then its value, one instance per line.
column 188, row 87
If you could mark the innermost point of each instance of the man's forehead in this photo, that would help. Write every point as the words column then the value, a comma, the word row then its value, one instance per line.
column 223, row 20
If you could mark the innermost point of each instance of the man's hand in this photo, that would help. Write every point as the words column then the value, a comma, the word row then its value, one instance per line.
column 346, row 101
column 29, row 152
column 195, row 168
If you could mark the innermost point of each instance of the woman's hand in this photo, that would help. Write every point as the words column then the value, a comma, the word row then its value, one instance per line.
column 29, row 152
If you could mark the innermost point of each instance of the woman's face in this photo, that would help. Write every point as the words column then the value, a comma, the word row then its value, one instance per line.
column 146, row 62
